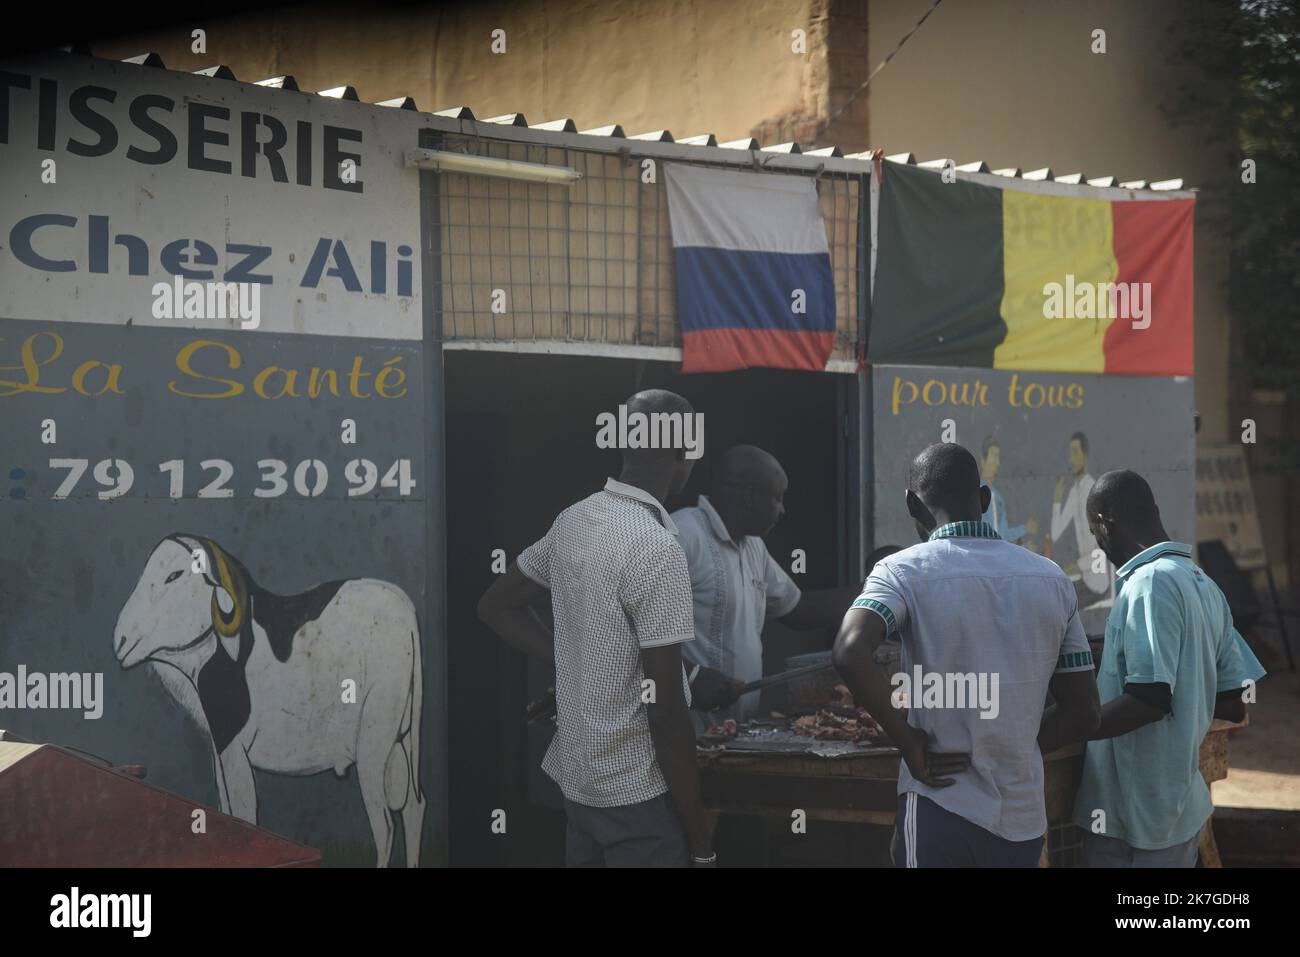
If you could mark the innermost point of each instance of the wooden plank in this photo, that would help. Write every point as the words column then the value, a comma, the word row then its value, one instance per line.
column 788, row 792
column 880, row 766
column 863, row 789
column 1209, row 849
column 830, row 814
column 1214, row 752
column 1061, row 778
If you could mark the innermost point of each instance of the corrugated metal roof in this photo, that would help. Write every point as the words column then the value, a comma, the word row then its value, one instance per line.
column 146, row 59
column 791, row 154
column 11, row 752
column 341, row 93
column 218, row 72
column 565, row 125
column 286, row 82
column 72, row 811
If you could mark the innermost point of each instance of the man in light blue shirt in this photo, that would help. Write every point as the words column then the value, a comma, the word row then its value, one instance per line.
column 1172, row 663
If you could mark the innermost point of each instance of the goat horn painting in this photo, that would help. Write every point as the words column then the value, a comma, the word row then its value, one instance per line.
column 279, row 702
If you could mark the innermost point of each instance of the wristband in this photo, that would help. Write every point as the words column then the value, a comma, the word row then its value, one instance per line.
column 711, row 859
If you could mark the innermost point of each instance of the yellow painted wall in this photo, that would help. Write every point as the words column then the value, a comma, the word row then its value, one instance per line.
column 691, row 66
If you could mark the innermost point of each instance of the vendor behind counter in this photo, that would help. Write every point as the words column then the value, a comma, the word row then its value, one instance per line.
column 737, row 586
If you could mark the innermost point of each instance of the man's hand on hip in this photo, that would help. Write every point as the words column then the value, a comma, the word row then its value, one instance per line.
column 930, row 767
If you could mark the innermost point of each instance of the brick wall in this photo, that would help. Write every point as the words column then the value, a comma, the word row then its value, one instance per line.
column 836, row 65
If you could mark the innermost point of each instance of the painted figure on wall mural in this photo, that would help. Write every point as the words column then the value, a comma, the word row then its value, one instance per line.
column 1069, row 508
column 292, row 684
column 996, row 515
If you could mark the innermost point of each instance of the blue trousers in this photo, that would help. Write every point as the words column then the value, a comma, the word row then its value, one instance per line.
column 1102, row 851
column 926, row 835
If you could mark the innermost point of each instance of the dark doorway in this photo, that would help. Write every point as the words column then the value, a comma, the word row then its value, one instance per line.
column 521, row 448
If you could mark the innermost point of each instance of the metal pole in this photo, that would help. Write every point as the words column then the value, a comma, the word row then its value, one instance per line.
column 867, row 194
column 1281, row 615
column 434, row 633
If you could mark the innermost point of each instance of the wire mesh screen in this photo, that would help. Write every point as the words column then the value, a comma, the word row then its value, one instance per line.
column 1065, row 845
column 590, row 262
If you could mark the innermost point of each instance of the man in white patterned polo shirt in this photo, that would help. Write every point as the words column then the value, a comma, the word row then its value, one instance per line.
column 624, row 748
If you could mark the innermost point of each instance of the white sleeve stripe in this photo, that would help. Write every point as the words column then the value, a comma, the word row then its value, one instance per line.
column 668, row 640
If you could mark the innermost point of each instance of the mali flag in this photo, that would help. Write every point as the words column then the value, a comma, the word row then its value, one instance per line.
column 1005, row 278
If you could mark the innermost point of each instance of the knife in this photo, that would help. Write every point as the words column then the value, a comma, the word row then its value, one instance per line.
column 541, row 709
column 784, row 676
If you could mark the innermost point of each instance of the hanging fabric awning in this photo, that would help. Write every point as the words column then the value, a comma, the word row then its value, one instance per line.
column 753, row 270
column 974, row 274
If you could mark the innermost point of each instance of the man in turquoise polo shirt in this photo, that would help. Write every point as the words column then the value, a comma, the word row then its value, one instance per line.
column 1172, row 662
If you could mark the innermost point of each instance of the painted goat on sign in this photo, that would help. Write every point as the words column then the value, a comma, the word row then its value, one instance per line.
column 263, row 675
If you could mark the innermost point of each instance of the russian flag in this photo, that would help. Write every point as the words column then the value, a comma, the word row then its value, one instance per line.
column 754, row 283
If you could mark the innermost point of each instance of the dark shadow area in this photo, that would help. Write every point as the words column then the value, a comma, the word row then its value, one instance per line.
column 521, row 448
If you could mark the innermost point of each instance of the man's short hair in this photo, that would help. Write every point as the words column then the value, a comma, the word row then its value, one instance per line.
column 1125, row 497
column 744, row 465
column 945, row 476
column 1082, row 440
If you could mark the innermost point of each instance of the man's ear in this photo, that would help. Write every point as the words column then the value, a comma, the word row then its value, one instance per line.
column 925, row 521
column 986, row 496
column 749, row 496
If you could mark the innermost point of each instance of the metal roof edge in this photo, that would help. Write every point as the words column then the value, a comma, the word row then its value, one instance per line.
column 659, row 145
column 647, row 148
column 1053, row 188
column 606, row 350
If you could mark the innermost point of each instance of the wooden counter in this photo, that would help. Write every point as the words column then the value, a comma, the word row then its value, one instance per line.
column 863, row 789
